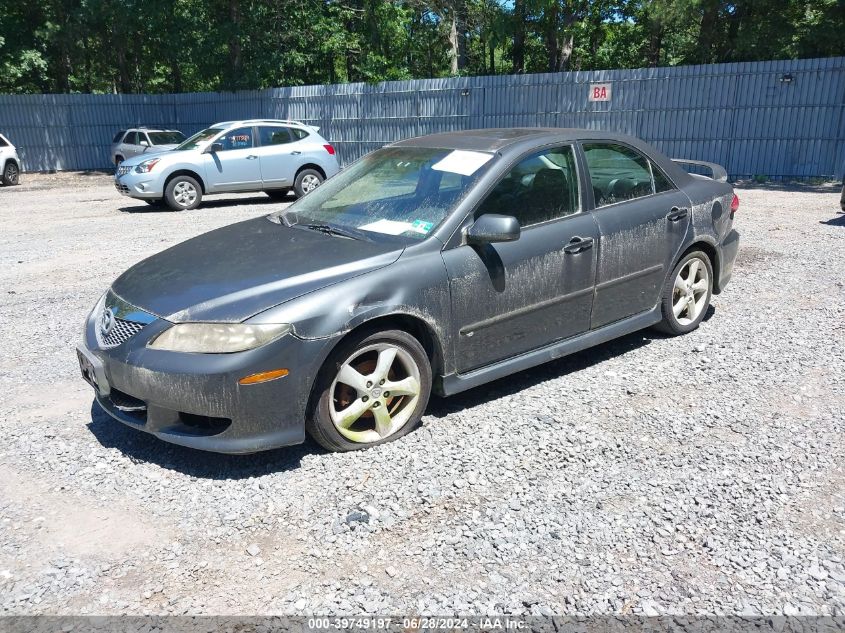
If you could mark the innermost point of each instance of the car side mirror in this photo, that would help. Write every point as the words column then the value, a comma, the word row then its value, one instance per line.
column 491, row 227
column 214, row 147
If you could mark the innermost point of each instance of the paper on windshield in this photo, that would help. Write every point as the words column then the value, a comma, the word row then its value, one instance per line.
column 388, row 227
column 462, row 162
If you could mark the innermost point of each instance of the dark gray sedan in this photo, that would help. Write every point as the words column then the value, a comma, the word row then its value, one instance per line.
column 437, row 263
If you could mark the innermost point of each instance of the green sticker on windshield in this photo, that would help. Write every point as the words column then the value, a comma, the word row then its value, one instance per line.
column 421, row 226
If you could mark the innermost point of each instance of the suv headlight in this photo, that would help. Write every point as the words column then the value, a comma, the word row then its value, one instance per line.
column 217, row 338
column 146, row 166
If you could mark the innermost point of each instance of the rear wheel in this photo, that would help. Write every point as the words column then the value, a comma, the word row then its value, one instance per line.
column 306, row 181
column 373, row 389
column 11, row 174
column 686, row 294
column 183, row 193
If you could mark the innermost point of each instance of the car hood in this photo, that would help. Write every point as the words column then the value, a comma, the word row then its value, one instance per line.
column 237, row 271
column 159, row 151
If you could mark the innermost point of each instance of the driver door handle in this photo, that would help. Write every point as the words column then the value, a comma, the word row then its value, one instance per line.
column 676, row 213
column 295, row 153
column 251, row 157
column 578, row 244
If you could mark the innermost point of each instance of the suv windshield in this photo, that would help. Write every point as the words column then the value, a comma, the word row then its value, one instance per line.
column 166, row 138
column 402, row 192
column 200, row 138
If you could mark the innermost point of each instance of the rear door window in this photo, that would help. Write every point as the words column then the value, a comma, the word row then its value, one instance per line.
column 237, row 139
column 661, row 180
column 274, row 136
column 298, row 134
column 617, row 173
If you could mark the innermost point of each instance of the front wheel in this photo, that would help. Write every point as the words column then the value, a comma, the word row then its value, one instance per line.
column 686, row 294
column 373, row 389
column 183, row 193
column 11, row 174
column 306, row 181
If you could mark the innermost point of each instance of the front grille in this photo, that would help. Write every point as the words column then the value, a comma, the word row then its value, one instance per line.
column 121, row 331
column 123, row 170
column 121, row 188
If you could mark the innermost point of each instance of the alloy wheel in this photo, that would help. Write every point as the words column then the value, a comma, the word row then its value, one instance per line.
column 184, row 193
column 689, row 296
column 375, row 393
column 310, row 182
column 11, row 175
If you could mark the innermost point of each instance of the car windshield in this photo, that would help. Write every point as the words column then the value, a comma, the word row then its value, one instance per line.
column 400, row 193
column 166, row 138
column 200, row 138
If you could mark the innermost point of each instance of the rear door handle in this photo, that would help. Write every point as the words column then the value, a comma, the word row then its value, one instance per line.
column 251, row 157
column 578, row 244
column 296, row 153
column 676, row 214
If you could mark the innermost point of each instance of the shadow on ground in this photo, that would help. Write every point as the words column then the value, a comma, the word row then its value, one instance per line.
column 838, row 220
column 206, row 204
column 141, row 447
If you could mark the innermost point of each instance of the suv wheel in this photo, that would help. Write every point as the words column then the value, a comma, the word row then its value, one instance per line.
column 306, row 181
column 183, row 193
column 11, row 175
column 373, row 389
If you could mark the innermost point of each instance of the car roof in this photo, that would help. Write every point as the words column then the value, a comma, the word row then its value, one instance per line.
column 499, row 139
column 150, row 129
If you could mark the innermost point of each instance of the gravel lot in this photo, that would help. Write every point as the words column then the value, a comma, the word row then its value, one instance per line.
column 702, row 474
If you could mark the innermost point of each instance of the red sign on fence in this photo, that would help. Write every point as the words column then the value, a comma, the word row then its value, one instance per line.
column 599, row 92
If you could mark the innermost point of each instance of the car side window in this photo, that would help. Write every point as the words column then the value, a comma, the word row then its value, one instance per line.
column 131, row 138
column 661, row 180
column 617, row 173
column 142, row 137
column 298, row 134
column 540, row 188
column 274, row 136
column 237, row 139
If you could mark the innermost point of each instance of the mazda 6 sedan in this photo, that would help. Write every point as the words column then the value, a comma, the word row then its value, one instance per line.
column 433, row 264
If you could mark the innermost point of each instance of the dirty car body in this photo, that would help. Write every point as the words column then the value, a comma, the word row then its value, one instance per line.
column 602, row 221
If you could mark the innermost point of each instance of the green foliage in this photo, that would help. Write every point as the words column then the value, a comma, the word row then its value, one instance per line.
column 136, row 46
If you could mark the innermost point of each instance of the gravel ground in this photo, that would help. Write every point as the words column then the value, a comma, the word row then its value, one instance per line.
column 696, row 475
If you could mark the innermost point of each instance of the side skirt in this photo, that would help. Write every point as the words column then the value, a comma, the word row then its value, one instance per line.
column 455, row 383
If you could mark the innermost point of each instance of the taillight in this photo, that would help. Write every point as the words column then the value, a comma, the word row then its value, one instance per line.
column 329, row 149
column 734, row 204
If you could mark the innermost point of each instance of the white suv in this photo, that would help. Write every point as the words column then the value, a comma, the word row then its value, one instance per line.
column 129, row 143
column 10, row 164
column 236, row 156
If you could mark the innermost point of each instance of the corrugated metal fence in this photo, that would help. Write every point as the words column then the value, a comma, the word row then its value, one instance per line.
column 775, row 119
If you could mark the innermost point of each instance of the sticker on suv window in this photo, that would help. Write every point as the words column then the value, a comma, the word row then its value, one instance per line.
column 462, row 162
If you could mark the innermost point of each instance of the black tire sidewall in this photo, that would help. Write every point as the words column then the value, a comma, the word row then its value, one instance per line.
column 319, row 423
column 670, row 324
column 9, row 181
column 297, row 185
column 171, row 201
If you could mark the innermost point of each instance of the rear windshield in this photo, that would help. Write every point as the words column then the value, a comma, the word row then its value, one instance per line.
column 200, row 139
column 166, row 138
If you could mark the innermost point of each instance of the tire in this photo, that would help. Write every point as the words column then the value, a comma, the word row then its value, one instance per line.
column 278, row 194
column 381, row 417
column 11, row 174
column 307, row 180
column 183, row 193
column 683, row 302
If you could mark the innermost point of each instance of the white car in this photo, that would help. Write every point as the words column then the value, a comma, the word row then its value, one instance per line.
column 235, row 156
column 10, row 164
column 134, row 141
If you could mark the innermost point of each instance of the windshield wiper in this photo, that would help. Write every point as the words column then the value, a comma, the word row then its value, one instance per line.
column 332, row 230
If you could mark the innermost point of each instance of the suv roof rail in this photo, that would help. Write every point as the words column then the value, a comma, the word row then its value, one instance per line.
column 273, row 121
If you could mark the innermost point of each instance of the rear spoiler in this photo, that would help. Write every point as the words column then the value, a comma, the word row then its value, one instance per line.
column 717, row 171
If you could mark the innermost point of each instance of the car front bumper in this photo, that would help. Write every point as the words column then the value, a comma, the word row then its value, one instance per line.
column 139, row 185
column 195, row 400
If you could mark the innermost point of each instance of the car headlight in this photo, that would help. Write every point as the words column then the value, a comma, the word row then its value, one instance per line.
column 147, row 166
column 217, row 338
